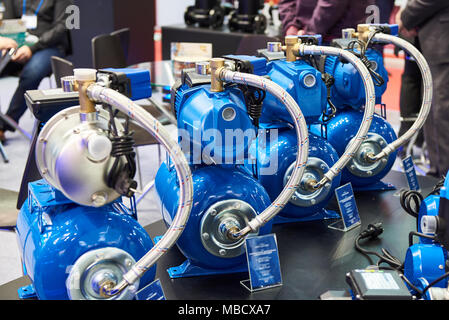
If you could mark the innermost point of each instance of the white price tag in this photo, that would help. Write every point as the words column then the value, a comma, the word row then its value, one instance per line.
column 30, row 21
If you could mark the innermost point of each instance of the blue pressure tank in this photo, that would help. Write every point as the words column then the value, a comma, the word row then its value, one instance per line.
column 348, row 89
column 303, row 83
column 274, row 157
column 68, row 249
column 223, row 196
column 360, row 171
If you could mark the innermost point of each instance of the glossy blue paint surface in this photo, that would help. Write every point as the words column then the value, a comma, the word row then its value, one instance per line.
column 210, row 185
column 429, row 207
column 348, row 89
column 279, row 154
column 343, row 127
column 290, row 76
column 200, row 117
column 424, row 261
column 53, row 233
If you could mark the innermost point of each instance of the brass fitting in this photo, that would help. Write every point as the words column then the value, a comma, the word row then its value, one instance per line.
column 310, row 184
column 216, row 66
column 233, row 230
column 84, row 78
column 291, row 47
column 105, row 287
column 363, row 31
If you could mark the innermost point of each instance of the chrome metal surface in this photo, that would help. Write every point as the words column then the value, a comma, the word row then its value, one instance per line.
column 63, row 158
column 218, row 223
column 360, row 165
column 94, row 269
column 305, row 196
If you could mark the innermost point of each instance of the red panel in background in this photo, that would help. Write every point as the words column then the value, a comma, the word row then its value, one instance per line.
column 394, row 66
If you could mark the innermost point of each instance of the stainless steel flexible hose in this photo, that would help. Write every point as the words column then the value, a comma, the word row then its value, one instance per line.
column 148, row 122
column 303, row 144
column 305, row 50
column 427, row 91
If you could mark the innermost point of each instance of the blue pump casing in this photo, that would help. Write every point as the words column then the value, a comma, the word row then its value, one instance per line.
column 429, row 207
column 348, row 89
column 426, row 261
column 303, row 83
column 275, row 157
column 138, row 84
column 211, row 184
column 258, row 65
column 53, row 233
column 203, row 124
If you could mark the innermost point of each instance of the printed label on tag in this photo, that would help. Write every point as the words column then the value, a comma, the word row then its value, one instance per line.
column 348, row 207
column 30, row 21
column 263, row 261
column 379, row 281
column 410, row 173
column 153, row 291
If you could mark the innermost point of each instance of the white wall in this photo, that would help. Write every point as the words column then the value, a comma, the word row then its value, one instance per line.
column 171, row 11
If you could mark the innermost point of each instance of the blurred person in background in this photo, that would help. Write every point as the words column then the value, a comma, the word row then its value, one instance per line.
column 431, row 19
column 325, row 17
column 7, row 43
column 46, row 20
column 411, row 86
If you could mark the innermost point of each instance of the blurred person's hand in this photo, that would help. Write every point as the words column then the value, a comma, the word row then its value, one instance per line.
column 301, row 32
column 6, row 44
column 291, row 31
column 402, row 30
column 22, row 55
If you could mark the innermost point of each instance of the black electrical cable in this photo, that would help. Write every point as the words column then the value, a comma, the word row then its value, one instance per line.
column 418, row 234
column 434, row 282
column 121, row 179
column 436, row 189
column 411, row 285
column 329, row 81
column 411, row 201
column 377, row 78
column 373, row 232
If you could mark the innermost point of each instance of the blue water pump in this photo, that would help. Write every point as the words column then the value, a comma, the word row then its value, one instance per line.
column 273, row 159
column 426, row 262
column 74, row 231
column 226, row 196
column 348, row 96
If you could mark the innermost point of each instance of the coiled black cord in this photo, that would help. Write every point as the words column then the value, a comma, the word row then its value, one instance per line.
column 411, row 201
column 121, row 178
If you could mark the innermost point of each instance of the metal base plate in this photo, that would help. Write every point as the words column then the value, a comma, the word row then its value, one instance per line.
column 322, row 214
column 27, row 292
column 187, row 269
